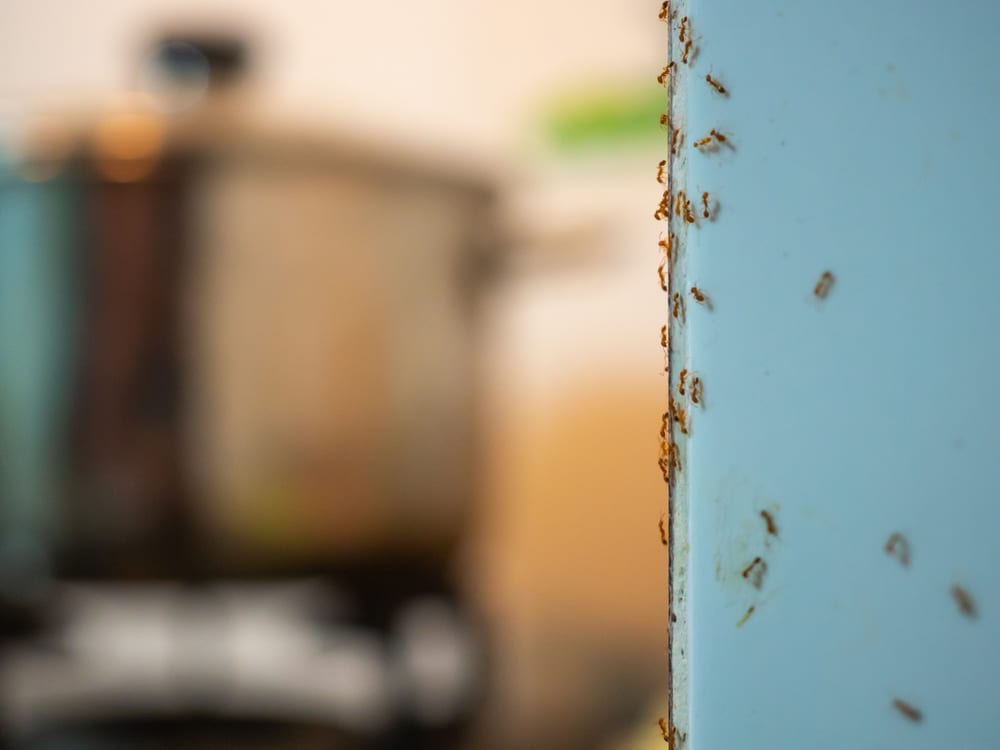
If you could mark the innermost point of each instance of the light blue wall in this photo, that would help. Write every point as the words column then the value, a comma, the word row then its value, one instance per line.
column 867, row 144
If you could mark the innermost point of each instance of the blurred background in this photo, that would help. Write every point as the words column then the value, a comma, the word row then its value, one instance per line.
column 330, row 378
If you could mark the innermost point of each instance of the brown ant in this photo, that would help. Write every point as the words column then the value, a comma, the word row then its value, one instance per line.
column 899, row 548
column 688, row 213
column 756, row 569
column 667, row 244
column 663, row 533
column 670, row 735
column 665, row 73
column 663, row 209
column 718, row 136
column 824, row 284
column 666, row 351
column 772, row 527
column 711, row 141
column 963, row 600
column 663, row 121
column 680, row 417
column 686, row 52
column 680, row 383
column 664, row 425
column 664, row 464
column 716, row 85
column 659, row 172
column 907, row 710
column 670, row 457
column 665, row 11
column 684, row 29
column 659, row 272
column 696, row 390
column 701, row 298
column 675, row 142
column 678, row 307
column 679, row 202
column 706, row 212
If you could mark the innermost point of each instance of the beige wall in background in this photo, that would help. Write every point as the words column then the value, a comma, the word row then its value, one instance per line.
column 568, row 543
column 461, row 72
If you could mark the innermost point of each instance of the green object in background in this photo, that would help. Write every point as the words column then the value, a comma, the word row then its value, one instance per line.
column 614, row 117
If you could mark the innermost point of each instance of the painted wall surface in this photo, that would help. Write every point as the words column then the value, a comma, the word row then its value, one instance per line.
column 863, row 145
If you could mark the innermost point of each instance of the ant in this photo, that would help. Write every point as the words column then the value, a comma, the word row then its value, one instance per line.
column 680, row 384
column 686, row 52
column 772, row 527
column 684, row 29
column 696, row 390
column 671, row 736
column 963, row 600
column 701, row 298
column 678, row 308
column 711, row 141
column 716, row 85
column 757, row 569
column 664, row 464
column 669, row 459
column 679, row 202
column 663, row 121
column 675, row 141
column 659, row 272
column 663, row 532
column 688, row 213
column 907, row 710
column 665, row 11
column 663, row 209
column 663, row 336
column 675, row 458
column 680, row 416
column 659, row 172
column 665, row 73
column 898, row 547
column 718, row 136
column 706, row 211
column 664, row 425
column 824, row 285
column 668, row 243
